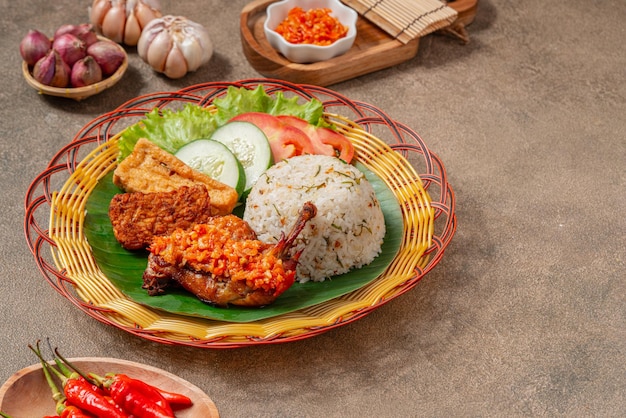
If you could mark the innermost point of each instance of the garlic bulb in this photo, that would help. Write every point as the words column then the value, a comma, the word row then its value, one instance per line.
column 174, row 45
column 122, row 21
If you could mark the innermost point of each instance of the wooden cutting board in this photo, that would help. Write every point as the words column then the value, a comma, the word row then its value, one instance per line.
column 373, row 49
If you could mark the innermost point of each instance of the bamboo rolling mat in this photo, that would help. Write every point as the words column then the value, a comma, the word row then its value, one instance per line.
column 405, row 20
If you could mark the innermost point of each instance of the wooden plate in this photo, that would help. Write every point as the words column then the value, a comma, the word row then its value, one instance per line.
column 26, row 394
column 373, row 49
column 466, row 10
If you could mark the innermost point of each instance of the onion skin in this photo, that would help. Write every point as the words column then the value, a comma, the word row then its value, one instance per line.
column 85, row 32
column 108, row 56
column 63, row 29
column 70, row 48
column 52, row 71
column 174, row 45
column 44, row 69
column 85, row 72
column 34, row 46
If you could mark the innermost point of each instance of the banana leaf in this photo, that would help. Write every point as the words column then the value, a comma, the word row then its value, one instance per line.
column 125, row 268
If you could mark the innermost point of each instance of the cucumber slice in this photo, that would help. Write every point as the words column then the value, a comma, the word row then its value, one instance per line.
column 215, row 160
column 250, row 146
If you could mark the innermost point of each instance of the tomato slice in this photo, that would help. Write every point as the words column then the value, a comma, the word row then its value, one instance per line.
column 285, row 140
column 342, row 145
column 325, row 141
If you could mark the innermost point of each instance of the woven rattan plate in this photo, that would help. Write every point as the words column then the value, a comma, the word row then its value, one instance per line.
column 55, row 214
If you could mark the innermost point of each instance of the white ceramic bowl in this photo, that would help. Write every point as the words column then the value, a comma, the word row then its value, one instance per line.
column 306, row 53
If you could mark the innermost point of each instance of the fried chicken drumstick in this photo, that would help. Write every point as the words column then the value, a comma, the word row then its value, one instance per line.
column 222, row 262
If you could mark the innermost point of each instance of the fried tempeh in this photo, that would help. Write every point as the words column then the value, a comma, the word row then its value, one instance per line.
column 138, row 217
column 149, row 169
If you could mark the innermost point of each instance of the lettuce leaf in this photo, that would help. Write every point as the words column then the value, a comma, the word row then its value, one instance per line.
column 171, row 129
column 242, row 100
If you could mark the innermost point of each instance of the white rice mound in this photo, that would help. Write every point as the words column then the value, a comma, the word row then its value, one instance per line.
column 348, row 230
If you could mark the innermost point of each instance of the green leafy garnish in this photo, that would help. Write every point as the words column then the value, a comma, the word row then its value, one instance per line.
column 168, row 129
column 242, row 100
column 171, row 129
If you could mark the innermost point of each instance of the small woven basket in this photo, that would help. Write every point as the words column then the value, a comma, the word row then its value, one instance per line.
column 77, row 93
column 390, row 149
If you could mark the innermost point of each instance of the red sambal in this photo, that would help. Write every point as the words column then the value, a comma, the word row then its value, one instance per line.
column 315, row 26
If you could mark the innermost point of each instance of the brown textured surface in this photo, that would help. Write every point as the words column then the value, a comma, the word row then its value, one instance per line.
column 149, row 169
column 138, row 217
column 524, row 316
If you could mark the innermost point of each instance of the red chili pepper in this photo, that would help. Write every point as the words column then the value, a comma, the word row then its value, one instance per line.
column 80, row 393
column 314, row 26
column 93, row 386
column 134, row 402
column 176, row 400
column 149, row 391
column 72, row 411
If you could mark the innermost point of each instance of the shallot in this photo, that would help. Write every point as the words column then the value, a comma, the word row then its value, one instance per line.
column 63, row 29
column 70, row 48
column 85, row 32
column 108, row 56
column 85, row 72
column 51, row 70
column 34, row 46
column 175, row 45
